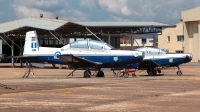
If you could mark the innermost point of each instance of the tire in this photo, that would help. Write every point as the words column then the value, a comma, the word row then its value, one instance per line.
column 87, row 74
column 148, row 71
column 179, row 73
column 159, row 71
column 100, row 74
column 154, row 72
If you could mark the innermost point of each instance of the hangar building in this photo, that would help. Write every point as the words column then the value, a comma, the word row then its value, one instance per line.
column 56, row 32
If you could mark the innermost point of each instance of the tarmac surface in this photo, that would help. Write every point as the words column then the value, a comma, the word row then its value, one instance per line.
column 51, row 91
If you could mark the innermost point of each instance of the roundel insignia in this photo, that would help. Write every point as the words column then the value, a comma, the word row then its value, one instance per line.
column 56, row 54
column 136, row 54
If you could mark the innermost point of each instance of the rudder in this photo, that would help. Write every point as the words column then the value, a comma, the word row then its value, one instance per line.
column 31, row 45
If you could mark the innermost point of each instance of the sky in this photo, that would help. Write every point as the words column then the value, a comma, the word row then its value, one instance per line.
column 164, row 11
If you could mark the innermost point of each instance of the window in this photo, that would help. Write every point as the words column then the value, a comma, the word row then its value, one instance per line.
column 179, row 51
column 168, row 38
column 96, row 45
column 82, row 44
column 79, row 44
column 180, row 38
column 51, row 40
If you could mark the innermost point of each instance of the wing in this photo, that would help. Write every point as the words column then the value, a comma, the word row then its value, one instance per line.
column 148, row 63
column 78, row 62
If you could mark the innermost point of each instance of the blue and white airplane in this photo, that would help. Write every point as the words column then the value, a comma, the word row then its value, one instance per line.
column 158, row 58
column 84, row 54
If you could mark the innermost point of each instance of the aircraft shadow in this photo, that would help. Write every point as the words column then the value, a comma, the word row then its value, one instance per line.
column 153, row 75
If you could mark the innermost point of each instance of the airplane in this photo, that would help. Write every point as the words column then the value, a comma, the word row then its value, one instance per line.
column 83, row 54
column 155, row 59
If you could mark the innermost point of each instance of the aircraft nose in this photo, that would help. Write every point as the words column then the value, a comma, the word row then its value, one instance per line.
column 189, row 56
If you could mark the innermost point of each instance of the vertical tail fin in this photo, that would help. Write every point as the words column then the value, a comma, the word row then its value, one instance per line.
column 31, row 45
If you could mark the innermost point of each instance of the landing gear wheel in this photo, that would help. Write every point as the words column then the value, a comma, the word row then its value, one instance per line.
column 152, row 73
column 87, row 74
column 148, row 71
column 159, row 71
column 125, row 74
column 179, row 73
column 100, row 74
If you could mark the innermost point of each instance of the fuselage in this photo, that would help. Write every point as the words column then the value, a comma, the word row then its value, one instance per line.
column 169, row 59
column 108, row 58
column 91, row 50
column 162, row 58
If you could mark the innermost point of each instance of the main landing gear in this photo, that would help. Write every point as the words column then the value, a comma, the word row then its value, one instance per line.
column 87, row 73
column 153, row 72
column 100, row 73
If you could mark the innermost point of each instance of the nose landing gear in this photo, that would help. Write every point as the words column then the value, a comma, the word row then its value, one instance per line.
column 179, row 73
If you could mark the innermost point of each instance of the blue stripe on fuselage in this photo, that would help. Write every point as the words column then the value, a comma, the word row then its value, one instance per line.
column 107, row 61
column 165, row 62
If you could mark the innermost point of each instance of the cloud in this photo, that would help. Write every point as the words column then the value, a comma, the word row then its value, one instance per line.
column 1, row 13
column 73, row 15
column 146, row 10
column 42, row 3
column 48, row 8
column 117, row 18
column 88, row 3
column 117, row 10
column 22, row 11
column 118, row 7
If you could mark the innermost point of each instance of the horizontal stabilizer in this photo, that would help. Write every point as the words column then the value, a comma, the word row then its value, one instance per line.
column 22, row 56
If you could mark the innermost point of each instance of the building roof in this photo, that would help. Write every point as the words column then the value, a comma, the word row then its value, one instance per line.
column 122, row 24
column 33, row 22
column 21, row 26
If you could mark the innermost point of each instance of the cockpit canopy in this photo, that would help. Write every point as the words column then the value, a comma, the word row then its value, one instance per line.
column 151, row 50
column 89, row 44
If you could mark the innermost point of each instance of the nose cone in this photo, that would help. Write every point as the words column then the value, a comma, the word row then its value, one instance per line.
column 189, row 56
